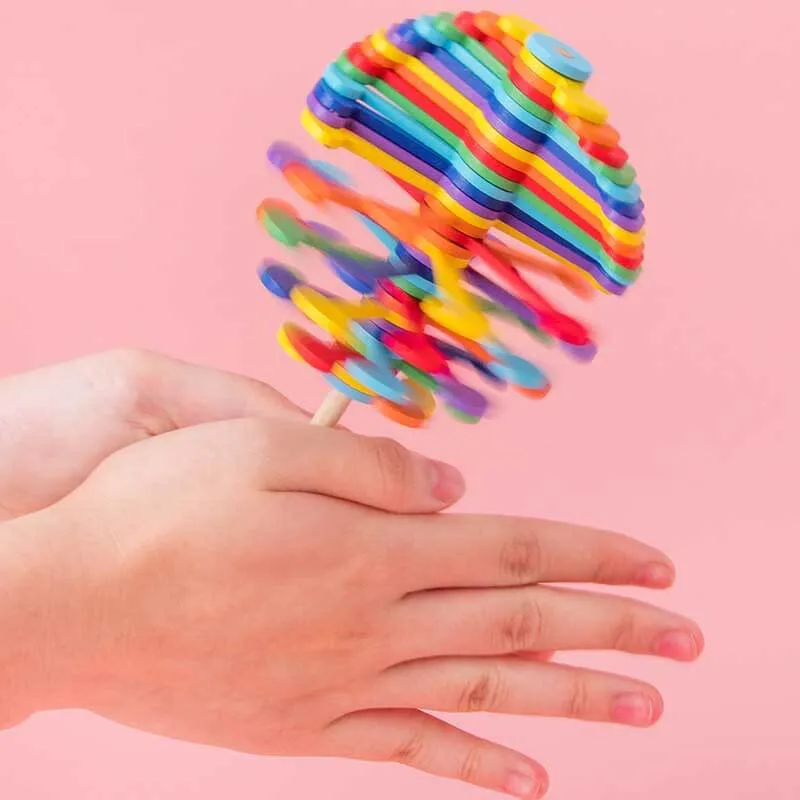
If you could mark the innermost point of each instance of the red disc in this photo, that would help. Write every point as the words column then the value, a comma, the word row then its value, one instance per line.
column 465, row 22
column 314, row 351
column 529, row 90
column 399, row 84
column 499, row 52
column 615, row 157
column 417, row 350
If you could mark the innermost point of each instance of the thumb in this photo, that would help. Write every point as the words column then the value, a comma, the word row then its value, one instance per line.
column 183, row 394
column 374, row 472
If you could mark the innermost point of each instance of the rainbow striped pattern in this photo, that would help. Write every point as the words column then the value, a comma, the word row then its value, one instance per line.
column 485, row 121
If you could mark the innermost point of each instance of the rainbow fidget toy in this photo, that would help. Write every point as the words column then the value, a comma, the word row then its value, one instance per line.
column 485, row 122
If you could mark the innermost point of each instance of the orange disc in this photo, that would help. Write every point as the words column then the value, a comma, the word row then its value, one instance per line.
column 412, row 416
column 605, row 135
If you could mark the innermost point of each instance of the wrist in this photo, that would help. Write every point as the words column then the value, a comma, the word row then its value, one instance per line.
column 34, row 630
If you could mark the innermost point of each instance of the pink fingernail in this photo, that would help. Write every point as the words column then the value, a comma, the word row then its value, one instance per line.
column 678, row 645
column 524, row 784
column 448, row 482
column 633, row 709
column 656, row 576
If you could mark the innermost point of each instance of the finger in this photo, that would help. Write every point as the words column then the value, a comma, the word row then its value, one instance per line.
column 543, row 656
column 374, row 472
column 473, row 622
column 188, row 394
column 430, row 745
column 457, row 551
column 513, row 686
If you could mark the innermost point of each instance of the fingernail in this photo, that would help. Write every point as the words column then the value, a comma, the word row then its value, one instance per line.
column 448, row 483
column 523, row 783
column 656, row 576
column 633, row 709
column 678, row 645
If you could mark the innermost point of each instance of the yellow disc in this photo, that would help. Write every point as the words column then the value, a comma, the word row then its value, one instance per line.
column 344, row 376
column 448, row 277
column 517, row 27
column 462, row 213
column 331, row 137
column 462, row 320
column 324, row 134
column 285, row 342
column 422, row 397
column 577, row 103
column 485, row 128
column 330, row 315
column 385, row 48
column 548, row 75
column 425, row 73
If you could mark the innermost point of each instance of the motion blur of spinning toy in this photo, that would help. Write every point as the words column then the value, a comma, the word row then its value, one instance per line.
column 515, row 179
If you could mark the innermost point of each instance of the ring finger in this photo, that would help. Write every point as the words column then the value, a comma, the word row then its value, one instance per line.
column 489, row 622
column 512, row 686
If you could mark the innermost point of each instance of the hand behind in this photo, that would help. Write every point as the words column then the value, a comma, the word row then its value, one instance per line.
column 59, row 422
column 235, row 584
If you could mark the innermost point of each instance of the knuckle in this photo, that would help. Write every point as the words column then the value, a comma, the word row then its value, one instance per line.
column 625, row 628
column 577, row 701
column 133, row 362
column 470, row 765
column 522, row 629
column 487, row 692
column 392, row 466
column 129, row 376
column 410, row 751
column 522, row 559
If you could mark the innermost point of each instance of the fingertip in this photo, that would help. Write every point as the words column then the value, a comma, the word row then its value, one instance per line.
column 447, row 482
column 641, row 709
column 656, row 575
column 526, row 780
column 685, row 644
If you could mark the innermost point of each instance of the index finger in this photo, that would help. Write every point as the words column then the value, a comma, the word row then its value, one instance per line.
column 469, row 551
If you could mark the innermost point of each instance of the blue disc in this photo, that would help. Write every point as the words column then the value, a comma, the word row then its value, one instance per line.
column 560, row 57
column 370, row 344
column 378, row 379
column 278, row 279
column 346, row 390
column 514, row 369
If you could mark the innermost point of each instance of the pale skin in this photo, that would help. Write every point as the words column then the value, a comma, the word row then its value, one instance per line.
column 184, row 554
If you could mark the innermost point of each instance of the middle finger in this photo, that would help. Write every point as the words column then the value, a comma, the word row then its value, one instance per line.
column 452, row 551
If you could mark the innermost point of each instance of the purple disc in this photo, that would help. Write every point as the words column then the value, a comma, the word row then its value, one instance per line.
column 325, row 115
column 583, row 353
column 462, row 398
column 327, row 232
column 500, row 296
column 282, row 154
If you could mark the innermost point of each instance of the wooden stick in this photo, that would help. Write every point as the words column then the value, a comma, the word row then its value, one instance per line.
column 331, row 410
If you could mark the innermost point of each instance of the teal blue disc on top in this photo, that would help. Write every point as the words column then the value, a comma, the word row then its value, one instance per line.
column 378, row 379
column 560, row 57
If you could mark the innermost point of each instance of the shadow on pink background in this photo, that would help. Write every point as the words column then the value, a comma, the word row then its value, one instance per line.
column 132, row 139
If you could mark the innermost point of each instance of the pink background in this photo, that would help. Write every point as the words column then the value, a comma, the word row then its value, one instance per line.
column 131, row 159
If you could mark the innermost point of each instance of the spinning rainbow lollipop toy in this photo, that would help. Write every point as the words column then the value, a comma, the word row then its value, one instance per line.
column 485, row 122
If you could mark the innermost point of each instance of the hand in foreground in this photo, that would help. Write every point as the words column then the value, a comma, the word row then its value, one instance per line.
column 235, row 584
column 59, row 422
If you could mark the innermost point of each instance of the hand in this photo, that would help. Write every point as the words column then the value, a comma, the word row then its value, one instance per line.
column 58, row 423
column 240, row 584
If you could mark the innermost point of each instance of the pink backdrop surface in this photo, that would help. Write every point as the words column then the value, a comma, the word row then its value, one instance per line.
column 131, row 159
